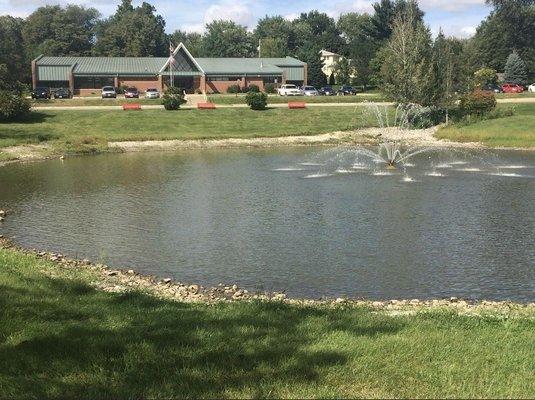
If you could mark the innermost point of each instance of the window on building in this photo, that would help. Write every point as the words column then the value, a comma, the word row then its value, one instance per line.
column 223, row 78
column 92, row 82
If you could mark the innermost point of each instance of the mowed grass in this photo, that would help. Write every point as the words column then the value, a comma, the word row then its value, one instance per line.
column 73, row 129
column 515, row 131
column 275, row 99
column 91, row 102
column 60, row 338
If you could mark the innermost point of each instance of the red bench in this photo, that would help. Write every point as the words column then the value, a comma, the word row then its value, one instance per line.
column 131, row 106
column 206, row 106
column 297, row 104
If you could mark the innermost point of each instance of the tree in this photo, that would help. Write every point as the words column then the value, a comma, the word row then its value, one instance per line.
column 58, row 31
column 510, row 27
column 485, row 76
column 385, row 11
column 406, row 57
column 132, row 32
column 515, row 70
column 192, row 40
column 12, row 55
column 361, row 46
column 344, row 71
column 323, row 31
column 316, row 77
column 228, row 39
column 272, row 47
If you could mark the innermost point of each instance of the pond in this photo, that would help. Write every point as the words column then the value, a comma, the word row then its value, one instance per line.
column 310, row 221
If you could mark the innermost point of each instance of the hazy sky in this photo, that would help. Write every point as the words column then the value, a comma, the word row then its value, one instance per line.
column 456, row 17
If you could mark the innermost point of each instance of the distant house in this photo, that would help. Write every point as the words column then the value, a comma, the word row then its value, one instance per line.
column 86, row 75
column 329, row 60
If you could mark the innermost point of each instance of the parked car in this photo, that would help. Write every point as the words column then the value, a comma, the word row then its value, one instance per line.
column 347, row 91
column 310, row 91
column 327, row 91
column 289, row 90
column 41, row 93
column 131, row 93
column 152, row 93
column 531, row 88
column 62, row 93
column 492, row 88
column 108, row 92
column 512, row 88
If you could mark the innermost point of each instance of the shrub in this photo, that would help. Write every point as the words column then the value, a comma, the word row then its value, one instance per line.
column 234, row 89
column 270, row 88
column 253, row 89
column 121, row 89
column 426, row 117
column 13, row 107
column 257, row 101
column 173, row 98
column 485, row 76
column 477, row 103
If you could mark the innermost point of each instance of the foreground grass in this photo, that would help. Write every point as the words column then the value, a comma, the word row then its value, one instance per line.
column 515, row 131
column 85, row 130
column 61, row 338
column 274, row 99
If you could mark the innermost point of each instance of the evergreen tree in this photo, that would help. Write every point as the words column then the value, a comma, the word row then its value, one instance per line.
column 515, row 70
column 316, row 77
column 406, row 58
column 228, row 39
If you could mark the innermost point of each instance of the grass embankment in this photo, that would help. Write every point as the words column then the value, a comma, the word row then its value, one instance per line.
column 79, row 131
column 91, row 102
column 275, row 99
column 514, row 131
column 61, row 338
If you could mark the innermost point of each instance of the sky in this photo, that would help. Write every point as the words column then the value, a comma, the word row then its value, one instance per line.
column 456, row 17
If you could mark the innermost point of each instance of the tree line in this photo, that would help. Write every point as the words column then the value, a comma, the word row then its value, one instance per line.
column 367, row 42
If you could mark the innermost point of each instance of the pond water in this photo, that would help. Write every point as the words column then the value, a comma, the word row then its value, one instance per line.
column 312, row 222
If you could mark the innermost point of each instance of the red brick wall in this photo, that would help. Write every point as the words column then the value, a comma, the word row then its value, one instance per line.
column 141, row 84
column 222, row 86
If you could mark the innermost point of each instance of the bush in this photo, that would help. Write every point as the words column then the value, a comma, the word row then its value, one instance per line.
column 477, row 103
column 485, row 76
column 257, row 101
column 121, row 89
column 173, row 98
column 233, row 89
column 13, row 107
column 270, row 88
column 253, row 89
column 426, row 117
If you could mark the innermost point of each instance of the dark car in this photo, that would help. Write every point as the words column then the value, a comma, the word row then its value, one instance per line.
column 327, row 91
column 41, row 93
column 62, row 94
column 492, row 88
column 131, row 93
column 347, row 91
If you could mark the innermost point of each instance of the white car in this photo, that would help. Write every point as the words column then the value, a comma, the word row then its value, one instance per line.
column 152, row 93
column 531, row 88
column 289, row 90
column 310, row 91
column 108, row 92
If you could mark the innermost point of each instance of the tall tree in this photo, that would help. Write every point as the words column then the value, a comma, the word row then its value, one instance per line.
column 406, row 57
column 510, row 27
column 132, row 32
column 276, row 35
column 58, row 31
column 323, row 31
column 11, row 50
column 192, row 40
column 228, row 39
column 515, row 70
column 361, row 47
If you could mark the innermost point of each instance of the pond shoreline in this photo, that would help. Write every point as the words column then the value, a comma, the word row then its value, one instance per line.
column 118, row 280
column 365, row 136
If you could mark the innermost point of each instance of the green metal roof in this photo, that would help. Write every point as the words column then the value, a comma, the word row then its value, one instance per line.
column 107, row 65
column 58, row 67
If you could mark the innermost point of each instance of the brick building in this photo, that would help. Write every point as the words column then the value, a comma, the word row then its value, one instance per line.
column 87, row 75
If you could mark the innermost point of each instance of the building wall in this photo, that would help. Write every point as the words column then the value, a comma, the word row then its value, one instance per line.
column 213, row 86
column 141, row 83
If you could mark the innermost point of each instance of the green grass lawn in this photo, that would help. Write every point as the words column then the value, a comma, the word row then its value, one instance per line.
column 75, row 130
column 274, row 99
column 91, row 102
column 515, row 131
column 60, row 338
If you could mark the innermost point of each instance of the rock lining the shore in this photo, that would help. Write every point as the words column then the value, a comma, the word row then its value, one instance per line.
column 120, row 281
